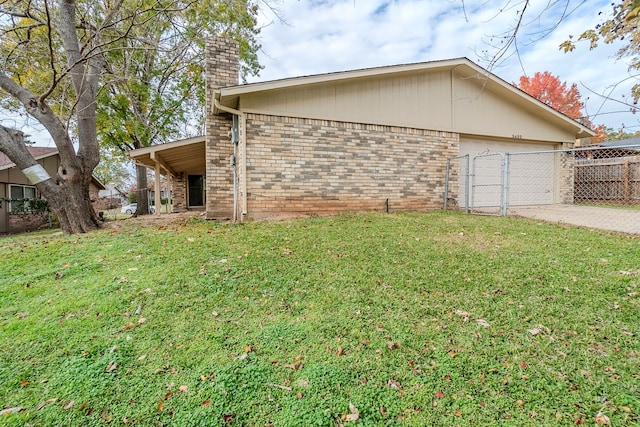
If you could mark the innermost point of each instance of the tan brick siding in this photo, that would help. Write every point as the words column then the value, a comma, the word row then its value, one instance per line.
column 223, row 69
column 299, row 165
column 179, row 188
column 567, row 171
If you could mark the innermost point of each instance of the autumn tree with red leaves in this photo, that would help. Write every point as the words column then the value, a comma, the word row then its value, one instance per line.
column 549, row 89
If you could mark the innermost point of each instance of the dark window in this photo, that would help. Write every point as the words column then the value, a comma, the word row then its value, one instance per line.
column 20, row 196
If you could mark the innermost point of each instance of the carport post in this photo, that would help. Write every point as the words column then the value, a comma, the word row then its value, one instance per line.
column 157, row 195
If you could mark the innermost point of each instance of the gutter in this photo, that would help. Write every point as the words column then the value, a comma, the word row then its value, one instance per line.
column 243, row 157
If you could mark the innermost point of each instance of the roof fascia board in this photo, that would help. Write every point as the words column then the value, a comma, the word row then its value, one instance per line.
column 161, row 147
column 338, row 76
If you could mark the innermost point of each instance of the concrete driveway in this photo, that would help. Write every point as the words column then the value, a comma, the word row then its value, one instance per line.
column 612, row 219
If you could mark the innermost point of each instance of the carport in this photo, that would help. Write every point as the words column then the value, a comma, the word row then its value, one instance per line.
column 183, row 163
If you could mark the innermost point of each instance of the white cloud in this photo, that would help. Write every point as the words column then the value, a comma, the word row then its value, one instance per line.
column 335, row 35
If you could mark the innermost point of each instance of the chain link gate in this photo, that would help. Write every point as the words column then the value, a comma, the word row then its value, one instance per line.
column 456, row 184
column 489, row 184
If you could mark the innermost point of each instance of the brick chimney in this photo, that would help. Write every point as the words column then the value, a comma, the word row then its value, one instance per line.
column 222, row 63
column 222, row 70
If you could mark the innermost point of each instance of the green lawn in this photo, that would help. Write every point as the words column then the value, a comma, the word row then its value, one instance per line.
column 372, row 319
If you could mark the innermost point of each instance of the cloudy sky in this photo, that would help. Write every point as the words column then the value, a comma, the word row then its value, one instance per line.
column 304, row 37
column 318, row 36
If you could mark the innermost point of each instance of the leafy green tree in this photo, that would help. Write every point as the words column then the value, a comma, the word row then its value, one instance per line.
column 114, row 170
column 155, row 86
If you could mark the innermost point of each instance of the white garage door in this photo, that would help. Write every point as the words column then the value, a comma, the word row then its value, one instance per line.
column 532, row 177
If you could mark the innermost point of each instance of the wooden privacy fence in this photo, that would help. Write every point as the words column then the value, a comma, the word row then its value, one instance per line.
column 614, row 180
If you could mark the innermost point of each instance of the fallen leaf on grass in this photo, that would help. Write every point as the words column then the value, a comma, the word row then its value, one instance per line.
column 227, row 417
column 105, row 415
column 353, row 415
column 538, row 329
column 394, row 384
column 14, row 410
column 24, row 383
column 112, row 366
column 602, row 419
column 129, row 325
column 206, row 403
column 41, row 405
column 465, row 315
column 69, row 405
column 294, row 366
column 183, row 389
column 483, row 323
column 340, row 351
column 439, row 394
column 142, row 320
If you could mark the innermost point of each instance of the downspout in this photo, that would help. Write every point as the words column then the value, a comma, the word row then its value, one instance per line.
column 243, row 152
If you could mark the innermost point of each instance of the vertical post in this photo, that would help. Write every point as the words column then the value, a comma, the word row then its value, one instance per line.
column 504, row 203
column 446, row 185
column 626, row 183
column 466, row 185
column 157, row 195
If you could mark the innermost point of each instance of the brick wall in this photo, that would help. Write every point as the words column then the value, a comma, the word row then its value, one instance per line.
column 567, row 171
column 223, row 68
column 179, row 188
column 19, row 223
column 303, row 165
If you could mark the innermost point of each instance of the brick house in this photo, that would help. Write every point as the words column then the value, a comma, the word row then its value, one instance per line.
column 14, row 186
column 368, row 139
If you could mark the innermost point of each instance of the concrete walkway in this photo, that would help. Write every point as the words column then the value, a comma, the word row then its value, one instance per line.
column 612, row 219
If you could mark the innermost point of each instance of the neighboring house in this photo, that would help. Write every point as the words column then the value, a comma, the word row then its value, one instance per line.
column 14, row 185
column 369, row 139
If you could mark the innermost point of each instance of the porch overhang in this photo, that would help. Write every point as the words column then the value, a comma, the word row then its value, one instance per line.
column 186, row 155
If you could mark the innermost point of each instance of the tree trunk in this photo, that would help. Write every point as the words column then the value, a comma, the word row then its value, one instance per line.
column 71, row 204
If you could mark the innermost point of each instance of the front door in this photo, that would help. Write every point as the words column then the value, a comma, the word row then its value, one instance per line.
column 196, row 190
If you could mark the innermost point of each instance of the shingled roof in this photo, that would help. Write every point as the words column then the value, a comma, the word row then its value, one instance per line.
column 37, row 152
